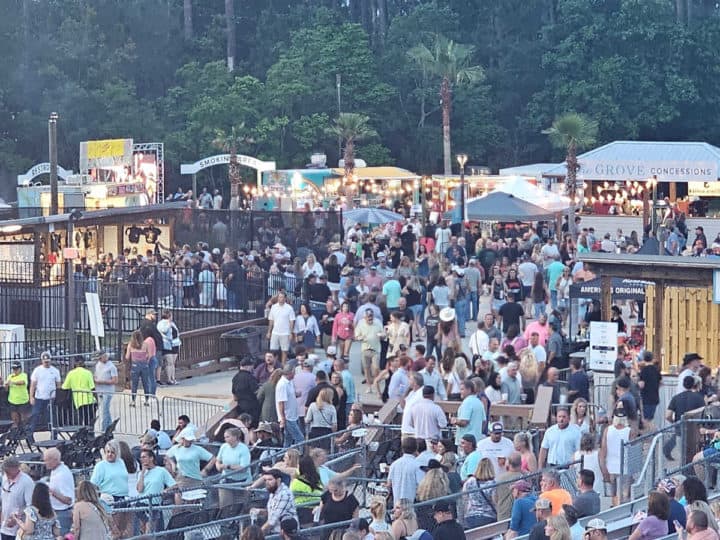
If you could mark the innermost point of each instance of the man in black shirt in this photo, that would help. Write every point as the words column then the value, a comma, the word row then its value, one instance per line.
column 578, row 384
column 649, row 384
column 318, row 290
column 511, row 313
column 408, row 241
column 321, row 381
column 244, row 388
column 447, row 528
column 396, row 252
column 680, row 404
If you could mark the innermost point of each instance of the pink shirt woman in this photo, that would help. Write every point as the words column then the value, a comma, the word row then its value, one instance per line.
column 343, row 325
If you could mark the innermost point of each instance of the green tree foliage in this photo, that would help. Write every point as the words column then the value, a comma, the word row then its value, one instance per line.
column 127, row 68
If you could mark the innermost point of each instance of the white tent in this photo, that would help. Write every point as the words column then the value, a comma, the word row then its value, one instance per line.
column 522, row 189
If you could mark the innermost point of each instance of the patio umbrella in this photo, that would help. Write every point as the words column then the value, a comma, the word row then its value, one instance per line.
column 371, row 215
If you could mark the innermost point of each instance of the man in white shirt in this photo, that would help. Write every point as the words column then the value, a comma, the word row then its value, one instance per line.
column 44, row 381
column 442, row 238
column 538, row 350
column 17, row 489
column 427, row 419
column 281, row 322
column 415, row 395
column 549, row 252
column 432, row 377
column 479, row 341
column 287, row 407
column 496, row 447
column 62, row 488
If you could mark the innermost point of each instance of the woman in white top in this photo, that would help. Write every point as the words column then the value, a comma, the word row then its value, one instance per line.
column 580, row 415
column 616, row 434
column 311, row 266
column 321, row 418
column 563, row 288
column 307, row 330
column 492, row 390
column 440, row 293
column 591, row 459
column 378, row 511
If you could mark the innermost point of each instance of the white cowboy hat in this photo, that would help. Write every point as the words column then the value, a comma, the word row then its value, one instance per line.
column 447, row 314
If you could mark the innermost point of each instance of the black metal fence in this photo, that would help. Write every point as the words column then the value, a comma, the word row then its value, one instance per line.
column 300, row 232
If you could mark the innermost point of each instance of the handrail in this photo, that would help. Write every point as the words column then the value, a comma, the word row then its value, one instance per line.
column 648, row 457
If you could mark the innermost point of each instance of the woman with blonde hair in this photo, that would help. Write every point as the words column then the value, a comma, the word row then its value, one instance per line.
column 523, row 444
column 556, row 528
column 378, row 511
column 580, row 416
column 479, row 490
column 89, row 519
column 404, row 520
column 529, row 373
column 321, row 418
column 434, row 484
column 456, row 377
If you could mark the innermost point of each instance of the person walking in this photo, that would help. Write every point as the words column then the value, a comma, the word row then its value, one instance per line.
column 244, row 390
column 138, row 355
column 287, row 407
column 281, row 322
column 44, row 381
column 61, row 488
column 154, row 342
column 18, row 395
column 170, row 346
column 105, row 378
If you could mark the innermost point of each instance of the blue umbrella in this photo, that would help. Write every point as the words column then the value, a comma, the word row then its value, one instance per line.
column 371, row 215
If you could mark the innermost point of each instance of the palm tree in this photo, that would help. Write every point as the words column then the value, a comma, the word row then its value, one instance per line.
column 450, row 62
column 572, row 132
column 230, row 142
column 351, row 127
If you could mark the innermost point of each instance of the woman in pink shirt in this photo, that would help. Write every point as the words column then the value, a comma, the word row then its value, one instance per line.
column 344, row 328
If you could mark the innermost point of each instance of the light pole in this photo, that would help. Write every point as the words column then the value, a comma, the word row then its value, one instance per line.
column 52, row 143
column 462, row 160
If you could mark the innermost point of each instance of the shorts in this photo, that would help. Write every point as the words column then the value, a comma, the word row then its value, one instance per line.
column 526, row 291
column 611, row 487
column 279, row 342
column 497, row 304
column 370, row 358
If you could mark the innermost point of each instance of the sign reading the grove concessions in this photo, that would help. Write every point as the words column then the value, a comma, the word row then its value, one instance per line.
column 666, row 171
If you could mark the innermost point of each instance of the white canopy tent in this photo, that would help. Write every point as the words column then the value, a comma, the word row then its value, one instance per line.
column 522, row 189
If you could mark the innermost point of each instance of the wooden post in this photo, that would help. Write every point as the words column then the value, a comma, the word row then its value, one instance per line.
column 658, row 317
column 606, row 296
column 673, row 192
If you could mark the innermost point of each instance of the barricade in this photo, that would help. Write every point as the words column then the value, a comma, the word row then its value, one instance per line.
column 643, row 460
column 200, row 412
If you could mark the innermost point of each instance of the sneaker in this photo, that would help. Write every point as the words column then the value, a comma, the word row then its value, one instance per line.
column 147, row 403
column 160, row 383
column 132, row 404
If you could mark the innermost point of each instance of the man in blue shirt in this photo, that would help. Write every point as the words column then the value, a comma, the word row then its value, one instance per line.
column 522, row 517
column 471, row 413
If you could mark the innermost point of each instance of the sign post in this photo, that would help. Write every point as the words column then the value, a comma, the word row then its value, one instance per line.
column 97, row 327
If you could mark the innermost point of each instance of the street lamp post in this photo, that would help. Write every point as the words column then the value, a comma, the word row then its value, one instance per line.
column 52, row 144
column 462, row 160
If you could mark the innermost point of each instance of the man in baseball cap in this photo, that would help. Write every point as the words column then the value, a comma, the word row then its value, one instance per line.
column 447, row 527
column 523, row 509
column 596, row 530
column 543, row 510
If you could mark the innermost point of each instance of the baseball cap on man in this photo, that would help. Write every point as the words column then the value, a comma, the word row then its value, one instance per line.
column 542, row 504
column 441, row 506
column 496, row 427
column 596, row 524
column 522, row 486
column 331, row 350
column 289, row 526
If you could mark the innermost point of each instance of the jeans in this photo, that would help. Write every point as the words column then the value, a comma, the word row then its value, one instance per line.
column 649, row 411
column 106, row 417
column 538, row 309
column 293, row 434
column 140, row 370
column 474, row 305
column 152, row 375
column 65, row 519
column 417, row 312
column 232, row 299
column 461, row 310
column 430, row 345
column 553, row 299
column 39, row 415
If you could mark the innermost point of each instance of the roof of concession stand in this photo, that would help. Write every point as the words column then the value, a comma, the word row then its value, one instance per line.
column 379, row 173
column 641, row 160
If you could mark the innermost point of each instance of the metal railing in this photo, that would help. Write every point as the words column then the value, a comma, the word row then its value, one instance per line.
column 200, row 412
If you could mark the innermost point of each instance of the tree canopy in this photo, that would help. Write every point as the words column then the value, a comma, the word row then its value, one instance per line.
column 157, row 70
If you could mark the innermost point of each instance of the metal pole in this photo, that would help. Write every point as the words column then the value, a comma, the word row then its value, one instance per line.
column 462, row 200
column 654, row 206
column 338, row 84
column 52, row 140
column 70, row 276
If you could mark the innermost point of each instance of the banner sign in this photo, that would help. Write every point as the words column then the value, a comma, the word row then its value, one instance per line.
column 603, row 345
column 106, row 153
column 224, row 159
column 666, row 171
column 39, row 170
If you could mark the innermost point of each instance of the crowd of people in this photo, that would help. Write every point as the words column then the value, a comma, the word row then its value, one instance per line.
column 426, row 314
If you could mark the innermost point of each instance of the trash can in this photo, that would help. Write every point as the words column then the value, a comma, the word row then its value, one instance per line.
column 245, row 341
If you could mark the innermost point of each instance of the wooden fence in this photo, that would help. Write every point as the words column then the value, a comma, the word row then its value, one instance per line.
column 691, row 323
column 202, row 351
